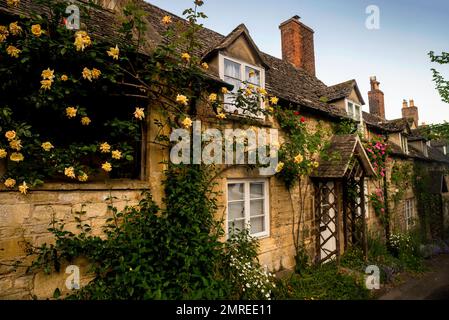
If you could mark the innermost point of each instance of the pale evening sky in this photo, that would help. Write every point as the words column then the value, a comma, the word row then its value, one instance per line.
column 345, row 49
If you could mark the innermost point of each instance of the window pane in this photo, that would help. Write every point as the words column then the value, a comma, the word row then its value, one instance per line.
column 232, row 69
column 235, row 192
column 357, row 113
column 236, row 226
column 252, row 76
column 257, row 225
column 350, row 109
column 257, row 190
column 236, row 210
column 257, row 207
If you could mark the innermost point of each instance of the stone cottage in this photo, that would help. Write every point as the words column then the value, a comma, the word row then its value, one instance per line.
column 333, row 221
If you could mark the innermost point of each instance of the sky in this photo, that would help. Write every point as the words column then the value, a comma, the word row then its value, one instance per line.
column 396, row 53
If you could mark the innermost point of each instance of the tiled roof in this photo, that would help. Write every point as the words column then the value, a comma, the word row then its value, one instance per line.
column 336, row 163
column 397, row 125
column 342, row 90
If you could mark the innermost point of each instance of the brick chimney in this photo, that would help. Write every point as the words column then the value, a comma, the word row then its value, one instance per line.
column 298, row 45
column 411, row 111
column 376, row 99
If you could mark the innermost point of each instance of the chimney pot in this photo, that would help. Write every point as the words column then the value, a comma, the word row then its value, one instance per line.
column 412, row 103
column 298, row 44
column 404, row 104
column 411, row 112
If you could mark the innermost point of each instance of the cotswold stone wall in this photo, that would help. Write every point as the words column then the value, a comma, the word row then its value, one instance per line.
column 27, row 218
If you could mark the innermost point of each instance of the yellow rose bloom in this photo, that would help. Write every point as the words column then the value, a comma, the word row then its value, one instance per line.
column 48, row 74
column 166, row 20
column 36, row 29
column 116, row 154
column 46, row 84
column 299, row 158
column 13, row 51
column 71, row 112
column 213, row 97
column 187, row 122
column 181, row 99
column 82, row 40
column 107, row 167
column 139, row 113
column 23, row 188
column 279, row 167
column 270, row 109
column 224, row 90
column 16, row 145
column 15, row 29
column 248, row 92
column 105, row 147
column 10, row 183
column 250, row 86
column 85, row 121
column 114, row 52
column 205, row 66
column 221, row 115
column 10, row 135
column 4, row 33
column 3, row 153
column 87, row 74
column 16, row 157
column 14, row 3
column 83, row 177
column 96, row 73
column 186, row 57
column 316, row 165
column 70, row 172
column 262, row 91
column 274, row 100
column 64, row 77
column 47, row 146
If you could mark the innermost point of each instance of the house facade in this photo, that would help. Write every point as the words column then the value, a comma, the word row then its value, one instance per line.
column 333, row 202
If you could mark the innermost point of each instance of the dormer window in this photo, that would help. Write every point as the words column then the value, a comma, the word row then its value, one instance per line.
column 237, row 72
column 404, row 143
column 354, row 110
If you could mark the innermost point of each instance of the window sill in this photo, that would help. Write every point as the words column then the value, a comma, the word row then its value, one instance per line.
column 119, row 184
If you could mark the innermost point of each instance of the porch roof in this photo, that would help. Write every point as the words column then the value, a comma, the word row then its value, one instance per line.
column 337, row 162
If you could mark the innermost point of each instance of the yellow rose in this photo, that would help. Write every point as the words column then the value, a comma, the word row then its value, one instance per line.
column 224, row 90
column 47, row 146
column 316, row 165
column 299, row 158
column 166, row 20
column 3, row 153
column 205, row 66
column 15, row 29
column 64, row 77
column 87, row 74
column 248, row 92
column 213, row 97
column 96, row 73
column 85, row 121
column 116, row 154
column 16, row 144
column 71, row 112
column 186, row 57
column 279, row 167
column 187, row 122
column 10, row 183
column 70, row 172
column 221, row 116
column 14, row 3
column 10, row 135
column 46, row 84
column 4, row 33
column 23, row 188
column 83, row 177
column 107, row 167
column 114, row 52
column 139, row 113
column 105, row 147
column 181, row 99
column 36, row 30
column 48, row 74
column 82, row 40
column 13, row 51
column 16, row 157
column 262, row 91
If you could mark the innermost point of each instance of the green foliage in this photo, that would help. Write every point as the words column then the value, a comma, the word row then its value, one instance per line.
column 401, row 179
column 442, row 85
column 345, row 126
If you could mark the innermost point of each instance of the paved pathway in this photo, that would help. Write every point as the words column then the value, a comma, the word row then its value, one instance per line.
column 433, row 285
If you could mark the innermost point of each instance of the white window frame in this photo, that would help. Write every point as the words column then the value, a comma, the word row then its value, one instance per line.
column 404, row 143
column 409, row 213
column 246, row 196
column 354, row 104
column 243, row 65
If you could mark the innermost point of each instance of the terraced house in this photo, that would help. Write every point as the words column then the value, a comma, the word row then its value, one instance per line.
column 334, row 204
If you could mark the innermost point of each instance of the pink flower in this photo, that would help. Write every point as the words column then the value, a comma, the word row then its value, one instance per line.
column 382, row 210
